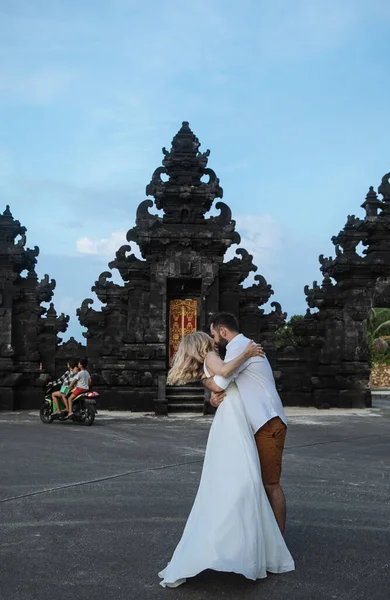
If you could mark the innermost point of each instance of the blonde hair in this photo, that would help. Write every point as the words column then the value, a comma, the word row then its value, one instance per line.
column 187, row 365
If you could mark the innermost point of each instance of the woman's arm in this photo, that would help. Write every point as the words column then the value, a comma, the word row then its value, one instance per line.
column 75, row 379
column 218, row 367
column 59, row 381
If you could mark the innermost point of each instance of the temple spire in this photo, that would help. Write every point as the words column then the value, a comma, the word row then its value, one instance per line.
column 371, row 203
column 184, row 197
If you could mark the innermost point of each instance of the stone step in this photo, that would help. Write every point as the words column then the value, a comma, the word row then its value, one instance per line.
column 184, row 392
column 196, row 407
column 185, row 399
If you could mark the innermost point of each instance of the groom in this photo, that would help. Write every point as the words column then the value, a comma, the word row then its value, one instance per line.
column 263, row 406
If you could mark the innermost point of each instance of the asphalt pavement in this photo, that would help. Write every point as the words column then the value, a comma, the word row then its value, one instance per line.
column 94, row 513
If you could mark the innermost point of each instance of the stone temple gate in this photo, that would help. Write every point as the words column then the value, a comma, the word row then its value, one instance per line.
column 28, row 331
column 330, row 365
column 178, row 283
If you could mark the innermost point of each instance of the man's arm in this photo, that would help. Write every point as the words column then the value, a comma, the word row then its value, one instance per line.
column 227, row 367
column 212, row 385
column 209, row 383
column 218, row 383
column 223, row 382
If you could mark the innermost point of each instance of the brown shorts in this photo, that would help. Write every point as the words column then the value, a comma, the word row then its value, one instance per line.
column 270, row 443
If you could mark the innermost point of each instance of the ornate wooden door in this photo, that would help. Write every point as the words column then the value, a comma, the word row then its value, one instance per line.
column 182, row 321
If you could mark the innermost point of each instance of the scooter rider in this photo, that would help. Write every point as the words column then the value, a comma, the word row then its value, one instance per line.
column 80, row 384
column 65, row 382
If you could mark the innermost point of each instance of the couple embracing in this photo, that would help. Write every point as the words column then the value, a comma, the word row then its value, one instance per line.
column 237, row 520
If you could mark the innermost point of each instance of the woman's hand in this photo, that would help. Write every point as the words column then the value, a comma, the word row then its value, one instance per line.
column 253, row 350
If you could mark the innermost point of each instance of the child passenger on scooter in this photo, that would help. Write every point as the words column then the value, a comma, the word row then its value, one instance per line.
column 65, row 381
column 80, row 384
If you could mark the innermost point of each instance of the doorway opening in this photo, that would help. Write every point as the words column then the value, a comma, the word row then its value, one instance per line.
column 183, row 305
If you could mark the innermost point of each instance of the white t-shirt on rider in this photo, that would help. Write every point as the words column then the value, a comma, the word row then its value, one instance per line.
column 256, row 384
column 82, row 380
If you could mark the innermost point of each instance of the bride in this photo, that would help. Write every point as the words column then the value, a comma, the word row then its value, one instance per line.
column 231, row 526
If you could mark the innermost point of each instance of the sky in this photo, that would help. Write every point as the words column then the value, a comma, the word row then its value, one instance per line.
column 292, row 99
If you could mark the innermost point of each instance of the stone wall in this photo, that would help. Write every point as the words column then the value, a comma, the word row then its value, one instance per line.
column 380, row 377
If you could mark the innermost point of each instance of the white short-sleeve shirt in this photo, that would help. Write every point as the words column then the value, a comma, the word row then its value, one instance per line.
column 82, row 379
column 256, row 384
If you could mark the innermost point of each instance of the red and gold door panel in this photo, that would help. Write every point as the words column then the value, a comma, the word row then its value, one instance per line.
column 182, row 321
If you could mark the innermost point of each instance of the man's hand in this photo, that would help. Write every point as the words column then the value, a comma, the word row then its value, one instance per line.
column 209, row 383
column 216, row 398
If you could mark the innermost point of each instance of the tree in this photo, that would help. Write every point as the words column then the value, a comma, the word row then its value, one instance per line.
column 285, row 335
column 378, row 335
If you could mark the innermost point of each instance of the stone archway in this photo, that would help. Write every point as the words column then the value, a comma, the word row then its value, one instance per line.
column 333, row 357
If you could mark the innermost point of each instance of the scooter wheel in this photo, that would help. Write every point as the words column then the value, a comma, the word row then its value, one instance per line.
column 45, row 414
column 89, row 416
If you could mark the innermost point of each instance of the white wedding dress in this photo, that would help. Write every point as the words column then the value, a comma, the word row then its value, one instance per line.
column 231, row 526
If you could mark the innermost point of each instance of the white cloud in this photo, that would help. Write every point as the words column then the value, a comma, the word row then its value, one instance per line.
column 261, row 236
column 41, row 86
column 66, row 304
column 124, row 108
column 105, row 247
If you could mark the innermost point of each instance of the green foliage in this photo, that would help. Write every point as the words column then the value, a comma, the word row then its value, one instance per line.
column 378, row 336
column 285, row 335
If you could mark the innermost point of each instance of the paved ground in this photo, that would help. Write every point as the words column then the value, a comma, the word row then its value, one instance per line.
column 95, row 513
